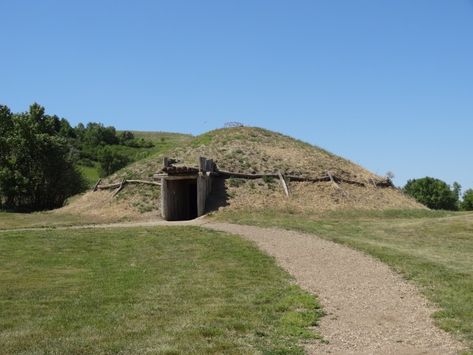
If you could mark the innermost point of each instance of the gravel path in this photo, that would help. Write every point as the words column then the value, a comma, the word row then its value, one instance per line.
column 370, row 309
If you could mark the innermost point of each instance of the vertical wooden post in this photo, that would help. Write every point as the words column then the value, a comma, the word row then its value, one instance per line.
column 201, row 194
column 202, row 162
column 164, row 197
column 283, row 183
column 166, row 162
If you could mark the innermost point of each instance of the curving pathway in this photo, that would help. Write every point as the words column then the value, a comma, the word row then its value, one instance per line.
column 370, row 309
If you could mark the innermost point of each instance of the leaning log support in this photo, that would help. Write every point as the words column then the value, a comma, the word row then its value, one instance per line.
column 283, row 183
column 122, row 184
column 329, row 174
column 97, row 184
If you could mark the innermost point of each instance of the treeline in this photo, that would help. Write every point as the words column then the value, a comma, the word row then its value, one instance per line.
column 96, row 143
column 438, row 195
column 40, row 155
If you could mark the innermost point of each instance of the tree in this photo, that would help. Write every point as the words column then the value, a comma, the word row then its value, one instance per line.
column 126, row 136
column 36, row 166
column 7, row 174
column 433, row 193
column 96, row 134
column 467, row 203
column 110, row 160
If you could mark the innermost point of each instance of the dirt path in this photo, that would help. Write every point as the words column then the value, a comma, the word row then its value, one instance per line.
column 370, row 309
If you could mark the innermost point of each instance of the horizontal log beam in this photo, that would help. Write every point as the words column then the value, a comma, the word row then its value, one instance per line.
column 124, row 182
column 328, row 178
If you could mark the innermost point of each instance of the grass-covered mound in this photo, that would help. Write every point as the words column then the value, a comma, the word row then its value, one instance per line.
column 255, row 150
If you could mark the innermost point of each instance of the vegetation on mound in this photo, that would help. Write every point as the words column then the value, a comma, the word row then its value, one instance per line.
column 176, row 290
column 434, row 249
column 255, row 150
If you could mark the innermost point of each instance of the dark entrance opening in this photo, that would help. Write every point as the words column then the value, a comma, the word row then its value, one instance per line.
column 181, row 199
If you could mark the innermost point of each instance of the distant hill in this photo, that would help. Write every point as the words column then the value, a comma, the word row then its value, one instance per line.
column 160, row 137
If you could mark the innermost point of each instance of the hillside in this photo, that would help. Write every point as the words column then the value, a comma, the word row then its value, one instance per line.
column 255, row 150
column 161, row 142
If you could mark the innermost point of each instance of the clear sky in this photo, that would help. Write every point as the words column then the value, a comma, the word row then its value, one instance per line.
column 385, row 83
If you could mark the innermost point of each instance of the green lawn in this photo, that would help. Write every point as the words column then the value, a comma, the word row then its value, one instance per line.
column 433, row 249
column 49, row 219
column 90, row 173
column 174, row 290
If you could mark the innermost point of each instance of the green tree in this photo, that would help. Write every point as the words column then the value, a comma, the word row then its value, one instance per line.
column 126, row 136
column 7, row 174
column 110, row 160
column 36, row 166
column 434, row 193
column 467, row 203
column 96, row 134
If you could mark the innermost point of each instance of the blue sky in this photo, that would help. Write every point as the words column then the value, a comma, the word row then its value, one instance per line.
column 387, row 84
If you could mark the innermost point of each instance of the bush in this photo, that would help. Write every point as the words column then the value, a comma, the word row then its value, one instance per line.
column 434, row 193
column 467, row 203
column 126, row 136
column 268, row 179
column 138, row 143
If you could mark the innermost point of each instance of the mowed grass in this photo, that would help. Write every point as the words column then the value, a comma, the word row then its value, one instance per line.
column 167, row 290
column 433, row 249
column 48, row 219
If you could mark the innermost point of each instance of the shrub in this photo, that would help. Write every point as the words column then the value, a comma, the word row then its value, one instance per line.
column 138, row 143
column 110, row 160
column 268, row 179
column 125, row 136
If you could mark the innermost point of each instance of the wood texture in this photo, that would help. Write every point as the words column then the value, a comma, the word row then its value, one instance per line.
column 327, row 178
column 124, row 182
column 97, row 184
column 283, row 183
